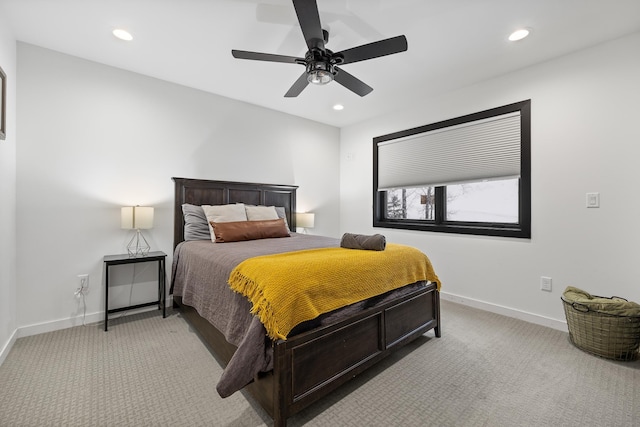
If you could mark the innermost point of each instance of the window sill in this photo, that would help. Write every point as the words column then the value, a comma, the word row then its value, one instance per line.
column 473, row 229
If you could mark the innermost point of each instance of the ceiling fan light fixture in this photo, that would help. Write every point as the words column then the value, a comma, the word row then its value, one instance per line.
column 320, row 72
column 320, row 77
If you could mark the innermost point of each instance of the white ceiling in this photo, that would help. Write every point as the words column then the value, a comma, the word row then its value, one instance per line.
column 452, row 43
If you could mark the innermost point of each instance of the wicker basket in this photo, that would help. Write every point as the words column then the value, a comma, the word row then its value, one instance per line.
column 603, row 334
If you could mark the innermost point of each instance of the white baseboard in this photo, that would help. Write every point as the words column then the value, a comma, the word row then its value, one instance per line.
column 506, row 311
column 98, row 317
column 55, row 325
column 7, row 347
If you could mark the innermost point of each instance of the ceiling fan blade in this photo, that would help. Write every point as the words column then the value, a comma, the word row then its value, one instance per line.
column 374, row 50
column 309, row 19
column 257, row 56
column 298, row 86
column 352, row 83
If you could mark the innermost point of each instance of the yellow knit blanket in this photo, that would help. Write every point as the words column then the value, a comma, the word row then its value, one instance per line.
column 289, row 288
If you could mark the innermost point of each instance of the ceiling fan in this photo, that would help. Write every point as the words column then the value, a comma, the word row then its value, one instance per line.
column 321, row 64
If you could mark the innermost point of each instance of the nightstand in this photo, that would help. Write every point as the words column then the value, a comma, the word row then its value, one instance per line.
column 111, row 260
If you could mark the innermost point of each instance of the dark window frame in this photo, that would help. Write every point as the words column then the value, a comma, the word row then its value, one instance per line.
column 522, row 229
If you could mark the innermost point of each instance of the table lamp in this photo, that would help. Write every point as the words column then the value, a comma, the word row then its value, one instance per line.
column 305, row 220
column 137, row 218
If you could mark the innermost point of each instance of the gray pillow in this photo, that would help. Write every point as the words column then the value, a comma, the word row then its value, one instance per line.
column 196, row 226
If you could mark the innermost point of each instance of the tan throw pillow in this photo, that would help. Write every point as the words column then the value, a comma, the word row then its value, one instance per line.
column 259, row 213
column 248, row 230
column 280, row 211
column 224, row 213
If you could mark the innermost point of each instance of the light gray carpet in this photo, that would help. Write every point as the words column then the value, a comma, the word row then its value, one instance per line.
column 486, row 370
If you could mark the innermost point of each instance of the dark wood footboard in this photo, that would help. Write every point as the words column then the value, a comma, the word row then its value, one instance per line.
column 310, row 365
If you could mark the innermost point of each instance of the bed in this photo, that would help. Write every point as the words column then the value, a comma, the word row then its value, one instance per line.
column 320, row 357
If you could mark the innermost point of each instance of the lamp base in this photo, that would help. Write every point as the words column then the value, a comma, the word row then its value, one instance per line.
column 138, row 246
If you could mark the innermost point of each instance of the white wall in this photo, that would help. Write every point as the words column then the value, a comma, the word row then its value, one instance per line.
column 94, row 138
column 585, row 138
column 8, row 314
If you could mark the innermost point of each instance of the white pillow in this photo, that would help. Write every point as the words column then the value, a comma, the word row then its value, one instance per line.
column 224, row 213
column 260, row 213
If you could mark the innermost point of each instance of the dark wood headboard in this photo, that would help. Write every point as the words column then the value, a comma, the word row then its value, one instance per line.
column 205, row 192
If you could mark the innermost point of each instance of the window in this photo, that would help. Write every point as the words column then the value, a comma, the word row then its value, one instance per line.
column 468, row 175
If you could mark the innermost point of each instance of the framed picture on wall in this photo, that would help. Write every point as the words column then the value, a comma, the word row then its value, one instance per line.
column 3, row 104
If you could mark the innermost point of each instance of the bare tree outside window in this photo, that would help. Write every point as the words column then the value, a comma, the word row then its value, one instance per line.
column 411, row 203
column 395, row 202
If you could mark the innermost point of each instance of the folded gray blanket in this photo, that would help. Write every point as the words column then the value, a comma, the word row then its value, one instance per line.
column 376, row 242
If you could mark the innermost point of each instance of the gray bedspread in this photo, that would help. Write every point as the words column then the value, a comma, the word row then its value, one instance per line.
column 199, row 275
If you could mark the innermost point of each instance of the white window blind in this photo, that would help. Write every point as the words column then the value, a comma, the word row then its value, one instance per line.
column 480, row 150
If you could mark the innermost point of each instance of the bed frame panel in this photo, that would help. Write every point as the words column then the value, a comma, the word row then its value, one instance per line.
column 308, row 366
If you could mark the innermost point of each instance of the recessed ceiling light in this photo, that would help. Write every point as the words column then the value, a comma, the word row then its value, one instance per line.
column 122, row 34
column 338, row 107
column 519, row 34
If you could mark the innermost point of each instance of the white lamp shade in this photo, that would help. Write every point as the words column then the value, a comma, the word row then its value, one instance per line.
column 136, row 217
column 126, row 217
column 305, row 220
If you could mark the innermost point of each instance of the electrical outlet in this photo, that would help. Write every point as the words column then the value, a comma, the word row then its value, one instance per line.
column 84, row 280
column 83, row 284
column 593, row 200
column 545, row 284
